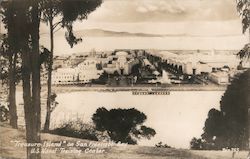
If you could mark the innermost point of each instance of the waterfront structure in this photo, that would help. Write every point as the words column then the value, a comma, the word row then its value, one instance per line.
column 220, row 77
column 64, row 76
column 82, row 73
column 194, row 64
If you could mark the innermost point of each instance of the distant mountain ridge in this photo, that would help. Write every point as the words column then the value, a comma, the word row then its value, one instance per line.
column 108, row 33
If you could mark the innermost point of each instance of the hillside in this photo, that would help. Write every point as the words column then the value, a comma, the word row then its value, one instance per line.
column 9, row 150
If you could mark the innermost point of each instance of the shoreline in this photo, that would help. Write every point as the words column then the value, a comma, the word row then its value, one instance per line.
column 103, row 88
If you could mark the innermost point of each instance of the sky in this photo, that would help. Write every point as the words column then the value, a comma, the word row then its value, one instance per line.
column 165, row 10
column 205, row 18
column 164, row 16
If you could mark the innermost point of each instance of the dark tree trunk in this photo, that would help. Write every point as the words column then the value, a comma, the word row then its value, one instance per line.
column 249, row 127
column 31, row 81
column 50, row 65
column 12, row 91
column 36, row 85
column 249, row 108
column 28, row 108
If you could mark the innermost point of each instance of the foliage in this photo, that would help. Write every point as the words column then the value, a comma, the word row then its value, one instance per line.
column 228, row 127
column 244, row 53
column 196, row 144
column 54, row 103
column 4, row 114
column 22, row 21
column 69, row 11
column 78, row 129
column 243, row 8
column 3, row 69
column 161, row 145
column 7, row 58
column 122, row 125
column 135, row 71
column 102, row 79
column 74, row 10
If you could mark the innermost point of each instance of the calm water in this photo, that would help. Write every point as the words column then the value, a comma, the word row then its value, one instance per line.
column 167, row 43
column 176, row 117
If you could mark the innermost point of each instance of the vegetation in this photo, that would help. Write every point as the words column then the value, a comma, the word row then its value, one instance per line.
column 69, row 12
column 4, row 114
column 103, row 79
column 228, row 127
column 122, row 125
column 78, row 129
column 112, row 152
column 197, row 144
column 243, row 8
column 161, row 145
column 22, row 20
column 10, row 74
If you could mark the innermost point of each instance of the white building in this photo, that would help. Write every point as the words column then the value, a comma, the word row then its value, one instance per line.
column 87, row 70
column 87, row 64
column 84, row 72
column 220, row 78
column 64, row 76
column 193, row 64
column 122, row 62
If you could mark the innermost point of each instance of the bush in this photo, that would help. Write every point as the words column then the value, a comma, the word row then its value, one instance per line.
column 161, row 145
column 4, row 114
column 228, row 127
column 122, row 125
column 78, row 129
column 197, row 144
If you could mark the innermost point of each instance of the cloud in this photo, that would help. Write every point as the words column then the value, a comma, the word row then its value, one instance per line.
column 165, row 10
column 141, row 9
column 170, row 6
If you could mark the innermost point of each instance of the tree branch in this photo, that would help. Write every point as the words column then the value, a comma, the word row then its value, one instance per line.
column 56, row 30
column 56, row 24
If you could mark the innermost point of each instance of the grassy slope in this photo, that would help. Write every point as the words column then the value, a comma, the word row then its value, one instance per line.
column 7, row 150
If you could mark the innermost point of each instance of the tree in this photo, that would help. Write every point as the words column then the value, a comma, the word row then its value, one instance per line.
column 26, row 17
column 196, row 144
column 229, row 127
column 22, row 18
column 161, row 145
column 243, row 8
column 12, row 72
column 122, row 125
column 214, row 127
column 50, row 11
column 10, row 52
column 69, row 12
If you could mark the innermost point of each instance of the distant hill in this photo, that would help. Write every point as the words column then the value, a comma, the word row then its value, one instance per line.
column 108, row 33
